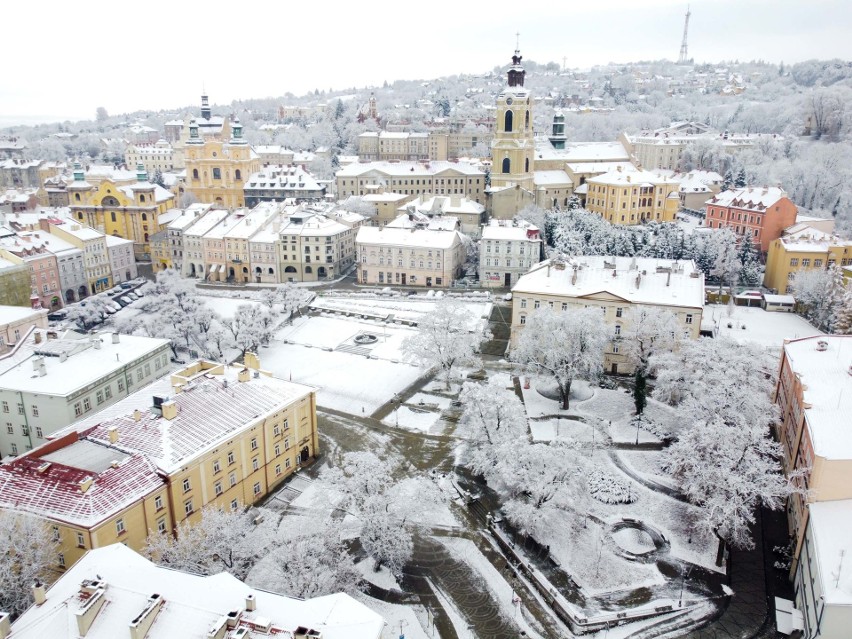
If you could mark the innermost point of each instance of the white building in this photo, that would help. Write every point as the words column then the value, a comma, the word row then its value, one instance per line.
column 278, row 183
column 112, row 591
column 193, row 242
column 72, row 268
column 121, row 260
column 615, row 285
column 508, row 249
column 413, row 178
column 823, row 580
column 154, row 157
column 409, row 256
column 50, row 380
column 470, row 214
column 315, row 247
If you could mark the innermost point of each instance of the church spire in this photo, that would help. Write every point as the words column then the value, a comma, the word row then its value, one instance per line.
column 516, row 71
column 205, row 107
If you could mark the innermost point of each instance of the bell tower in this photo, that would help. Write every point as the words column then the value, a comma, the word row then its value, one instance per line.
column 513, row 147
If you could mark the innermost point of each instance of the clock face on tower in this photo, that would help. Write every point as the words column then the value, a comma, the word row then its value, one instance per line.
column 509, row 101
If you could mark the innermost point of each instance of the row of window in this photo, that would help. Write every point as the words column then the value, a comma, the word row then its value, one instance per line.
column 619, row 311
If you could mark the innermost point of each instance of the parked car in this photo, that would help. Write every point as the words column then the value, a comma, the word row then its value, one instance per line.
column 115, row 290
column 124, row 301
column 133, row 296
column 57, row 316
column 127, row 285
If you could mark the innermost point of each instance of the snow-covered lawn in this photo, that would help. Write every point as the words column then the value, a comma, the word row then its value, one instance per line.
column 646, row 463
column 755, row 325
column 226, row 307
column 407, row 309
column 414, row 418
column 381, row 578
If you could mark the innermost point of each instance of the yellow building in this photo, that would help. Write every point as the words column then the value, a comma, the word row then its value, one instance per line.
column 161, row 254
column 93, row 244
column 615, row 285
column 633, row 197
column 803, row 248
column 513, row 147
column 216, row 171
column 217, row 435
column 118, row 207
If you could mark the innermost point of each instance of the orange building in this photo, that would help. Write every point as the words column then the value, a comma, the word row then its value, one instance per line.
column 762, row 213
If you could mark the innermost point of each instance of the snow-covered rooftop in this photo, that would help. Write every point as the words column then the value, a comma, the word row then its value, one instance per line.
column 413, row 238
column 411, row 169
column 830, row 523
column 509, row 230
column 9, row 314
column 582, row 152
column 631, row 178
column 207, row 222
column 82, row 363
column 752, row 199
column 551, row 177
column 210, row 409
column 618, row 276
column 194, row 604
column 828, row 390
column 808, row 239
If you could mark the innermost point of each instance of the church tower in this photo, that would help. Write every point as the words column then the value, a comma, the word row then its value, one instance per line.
column 513, row 147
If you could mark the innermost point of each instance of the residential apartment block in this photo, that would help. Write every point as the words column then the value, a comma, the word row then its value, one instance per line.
column 279, row 183
column 109, row 591
column 507, row 251
column 154, row 157
column 16, row 322
column 803, row 248
column 32, row 249
column 51, row 379
column 633, row 197
column 615, row 285
column 662, row 148
column 413, row 178
column 206, row 435
column 760, row 213
column 410, row 254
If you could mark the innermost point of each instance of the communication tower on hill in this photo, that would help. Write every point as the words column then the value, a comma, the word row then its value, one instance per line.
column 683, row 58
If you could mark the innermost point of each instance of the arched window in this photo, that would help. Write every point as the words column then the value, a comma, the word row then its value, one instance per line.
column 146, row 237
column 217, row 173
column 527, row 120
column 80, row 215
column 308, row 269
column 76, row 197
column 194, row 174
column 238, row 175
column 527, row 165
column 144, row 217
column 507, row 122
column 141, row 197
column 507, row 165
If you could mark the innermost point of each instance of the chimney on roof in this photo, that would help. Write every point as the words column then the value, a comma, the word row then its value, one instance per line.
column 5, row 624
column 243, row 375
column 669, row 278
column 39, row 592
column 137, row 415
column 37, row 337
column 85, row 484
column 115, row 338
column 251, row 603
column 140, row 625
column 63, row 356
column 170, row 409
column 112, row 432
column 96, row 342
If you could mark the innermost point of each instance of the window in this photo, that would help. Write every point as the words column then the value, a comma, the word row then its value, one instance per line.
column 25, row 431
column 100, row 397
column 87, row 405
column 618, row 311
column 536, row 304
column 564, row 306
column 507, row 165
column 256, row 488
column 806, row 261
column 39, row 432
column 689, row 318
column 523, row 319
column 216, row 467
column 232, row 479
column 120, row 385
column 5, row 407
column 186, row 485
column 9, row 428
column 618, row 329
column 35, row 410
column 55, row 531
column 287, row 444
column 217, row 488
column 187, row 507
column 230, row 458
column 108, row 392
column 20, row 408
column 277, row 449
column 217, row 173
column 78, row 409
column 81, row 541
column 277, row 469
column 234, row 504
column 276, row 430
column 161, row 525
column 507, row 124
column 794, row 261
column 615, row 349
column 14, row 448
column 254, row 443
column 119, row 527
column 61, row 556
column 158, row 502
column 817, row 263
column 255, row 464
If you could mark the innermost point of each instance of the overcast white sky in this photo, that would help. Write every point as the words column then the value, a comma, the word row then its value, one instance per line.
column 63, row 59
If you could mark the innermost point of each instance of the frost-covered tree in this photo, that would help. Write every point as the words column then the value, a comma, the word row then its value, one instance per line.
column 740, row 181
column 27, row 554
column 312, row 563
column 842, row 320
column 493, row 419
column 728, row 469
column 749, row 257
column 444, row 340
column 223, row 540
column 251, row 327
column 820, row 292
column 366, row 483
column 88, row 313
column 562, row 345
column 649, row 331
column 726, row 267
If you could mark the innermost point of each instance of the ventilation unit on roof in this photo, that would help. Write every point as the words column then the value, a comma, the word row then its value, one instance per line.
column 822, row 345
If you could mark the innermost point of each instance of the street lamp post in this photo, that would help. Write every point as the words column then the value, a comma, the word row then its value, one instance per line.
column 684, row 575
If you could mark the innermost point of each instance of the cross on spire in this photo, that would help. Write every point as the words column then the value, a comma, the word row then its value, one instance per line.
column 517, row 41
